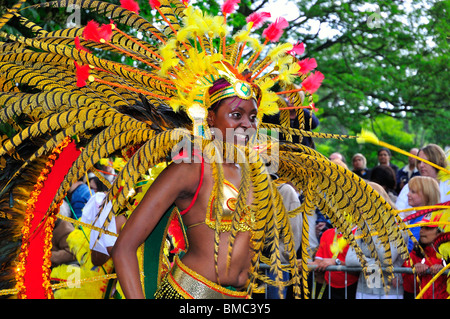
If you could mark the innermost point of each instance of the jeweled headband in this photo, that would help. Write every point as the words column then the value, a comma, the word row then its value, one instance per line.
column 222, row 89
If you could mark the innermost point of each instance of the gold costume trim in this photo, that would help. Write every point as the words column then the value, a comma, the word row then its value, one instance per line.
column 183, row 282
column 230, row 194
column 240, row 89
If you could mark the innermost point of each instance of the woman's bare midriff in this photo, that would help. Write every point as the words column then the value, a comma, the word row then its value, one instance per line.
column 200, row 256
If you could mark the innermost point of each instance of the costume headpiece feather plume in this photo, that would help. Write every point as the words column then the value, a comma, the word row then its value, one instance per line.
column 370, row 137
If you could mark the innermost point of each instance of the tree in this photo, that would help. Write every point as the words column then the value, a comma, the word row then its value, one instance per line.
column 389, row 58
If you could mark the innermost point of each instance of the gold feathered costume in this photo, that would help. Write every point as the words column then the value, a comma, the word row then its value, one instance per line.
column 73, row 83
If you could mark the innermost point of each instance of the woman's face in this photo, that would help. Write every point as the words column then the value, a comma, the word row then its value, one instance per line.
column 358, row 163
column 235, row 118
column 383, row 158
column 415, row 198
column 424, row 168
column 428, row 235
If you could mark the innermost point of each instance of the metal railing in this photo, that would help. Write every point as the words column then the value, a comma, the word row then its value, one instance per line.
column 357, row 269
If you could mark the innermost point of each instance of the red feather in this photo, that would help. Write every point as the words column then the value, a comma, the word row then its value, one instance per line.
column 313, row 82
column 229, row 6
column 78, row 46
column 154, row 4
column 130, row 5
column 82, row 73
column 258, row 18
column 274, row 31
column 307, row 65
column 106, row 32
column 94, row 32
column 298, row 49
column 90, row 32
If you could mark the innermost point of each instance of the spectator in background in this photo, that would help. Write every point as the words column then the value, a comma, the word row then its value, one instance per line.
column 384, row 175
column 332, row 251
column 338, row 161
column 96, row 184
column 423, row 191
column 435, row 154
column 384, row 158
column 78, row 195
column 359, row 163
column 426, row 259
column 338, row 156
column 408, row 171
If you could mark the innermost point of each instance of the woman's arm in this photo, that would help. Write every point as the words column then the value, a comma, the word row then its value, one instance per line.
column 174, row 182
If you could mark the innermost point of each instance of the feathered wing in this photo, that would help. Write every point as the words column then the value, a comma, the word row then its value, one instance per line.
column 346, row 200
column 216, row 197
column 45, row 94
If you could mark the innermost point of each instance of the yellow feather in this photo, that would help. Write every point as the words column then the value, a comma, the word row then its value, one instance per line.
column 243, row 35
column 279, row 50
column 187, row 32
column 269, row 103
column 218, row 26
column 367, row 137
column 289, row 72
column 169, row 57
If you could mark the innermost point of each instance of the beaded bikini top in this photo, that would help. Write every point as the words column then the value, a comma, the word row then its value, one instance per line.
column 230, row 194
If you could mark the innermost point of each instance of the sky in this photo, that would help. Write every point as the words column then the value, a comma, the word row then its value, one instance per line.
column 289, row 10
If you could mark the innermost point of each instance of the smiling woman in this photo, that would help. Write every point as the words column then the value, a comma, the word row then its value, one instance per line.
column 433, row 157
column 234, row 116
column 227, row 114
column 235, row 119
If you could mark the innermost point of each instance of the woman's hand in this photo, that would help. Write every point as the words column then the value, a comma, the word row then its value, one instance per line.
column 421, row 268
column 322, row 264
column 435, row 269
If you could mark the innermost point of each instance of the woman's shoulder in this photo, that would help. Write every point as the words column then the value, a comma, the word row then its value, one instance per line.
column 184, row 170
column 184, row 175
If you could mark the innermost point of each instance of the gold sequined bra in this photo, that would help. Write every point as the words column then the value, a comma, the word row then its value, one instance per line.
column 230, row 194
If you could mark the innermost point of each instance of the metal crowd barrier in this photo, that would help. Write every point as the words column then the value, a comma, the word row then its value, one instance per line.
column 347, row 269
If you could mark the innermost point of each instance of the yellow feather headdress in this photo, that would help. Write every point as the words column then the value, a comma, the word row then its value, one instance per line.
column 198, row 52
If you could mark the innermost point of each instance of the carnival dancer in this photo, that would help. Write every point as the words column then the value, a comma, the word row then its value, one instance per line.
column 191, row 195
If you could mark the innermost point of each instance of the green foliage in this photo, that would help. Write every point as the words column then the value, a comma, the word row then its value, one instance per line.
column 386, row 69
column 387, row 129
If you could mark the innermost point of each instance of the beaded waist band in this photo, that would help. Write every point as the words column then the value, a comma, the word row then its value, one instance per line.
column 189, row 285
